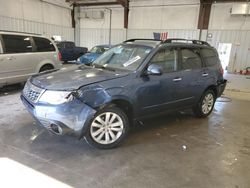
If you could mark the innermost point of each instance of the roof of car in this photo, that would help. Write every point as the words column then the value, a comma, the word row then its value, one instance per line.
column 169, row 42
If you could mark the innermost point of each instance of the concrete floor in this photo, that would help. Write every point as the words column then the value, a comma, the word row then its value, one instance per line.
column 175, row 150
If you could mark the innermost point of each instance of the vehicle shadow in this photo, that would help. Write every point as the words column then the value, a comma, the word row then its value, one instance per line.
column 167, row 125
column 11, row 89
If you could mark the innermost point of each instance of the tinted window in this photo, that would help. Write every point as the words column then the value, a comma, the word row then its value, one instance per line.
column 69, row 45
column 60, row 45
column 190, row 59
column 166, row 59
column 43, row 45
column 209, row 56
column 16, row 44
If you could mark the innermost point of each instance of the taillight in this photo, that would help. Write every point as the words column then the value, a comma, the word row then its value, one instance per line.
column 221, row 70
column 59, row 56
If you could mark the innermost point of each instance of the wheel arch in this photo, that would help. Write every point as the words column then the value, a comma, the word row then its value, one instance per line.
column 213, row 88
column 124, row 105
column 44, row 63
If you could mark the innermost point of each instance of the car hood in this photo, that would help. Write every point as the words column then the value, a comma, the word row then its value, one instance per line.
column 89, row 57
column 74, row 77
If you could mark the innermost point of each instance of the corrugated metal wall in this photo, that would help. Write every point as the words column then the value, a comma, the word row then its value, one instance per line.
column 240, row 52
column 92, row 37
column 15, row 24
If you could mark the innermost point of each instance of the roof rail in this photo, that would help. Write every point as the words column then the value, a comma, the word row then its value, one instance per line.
column 21, row 32
column 187, row 40
column 133, row 40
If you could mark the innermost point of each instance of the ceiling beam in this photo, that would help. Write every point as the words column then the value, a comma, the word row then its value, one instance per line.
column 204, row 14
column 97, row 4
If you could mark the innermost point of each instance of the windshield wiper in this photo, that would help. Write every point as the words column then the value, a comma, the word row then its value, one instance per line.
column 103, row 67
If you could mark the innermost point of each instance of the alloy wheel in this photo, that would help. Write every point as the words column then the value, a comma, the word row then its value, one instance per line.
column 207, row 103
column 106, row 128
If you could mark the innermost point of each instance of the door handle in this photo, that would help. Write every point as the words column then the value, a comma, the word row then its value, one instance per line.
column 205, row 74
column 177, row 79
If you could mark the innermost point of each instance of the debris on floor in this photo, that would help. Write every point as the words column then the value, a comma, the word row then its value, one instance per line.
column 184, row 147
column 173, row 135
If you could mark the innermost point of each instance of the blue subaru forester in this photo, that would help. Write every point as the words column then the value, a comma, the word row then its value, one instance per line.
column 133, row 80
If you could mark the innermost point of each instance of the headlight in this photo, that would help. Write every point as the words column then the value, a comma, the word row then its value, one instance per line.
column 56, row 97
column 78, row 60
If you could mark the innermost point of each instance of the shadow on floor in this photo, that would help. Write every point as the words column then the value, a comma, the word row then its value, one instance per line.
column 11, row 89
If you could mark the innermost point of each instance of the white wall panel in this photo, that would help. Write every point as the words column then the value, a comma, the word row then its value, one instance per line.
column 221, row 18
column 14, row 24
column 91, row 37
column 172, row 17
column 36, row 16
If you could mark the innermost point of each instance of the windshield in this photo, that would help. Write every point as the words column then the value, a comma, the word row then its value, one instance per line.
column 127, row 57
column 99, row 50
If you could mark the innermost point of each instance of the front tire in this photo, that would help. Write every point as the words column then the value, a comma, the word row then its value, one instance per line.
column 205, row 105
column 108, row 128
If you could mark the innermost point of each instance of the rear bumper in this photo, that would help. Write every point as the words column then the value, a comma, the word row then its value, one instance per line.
column 70, row 118
column 221, row 87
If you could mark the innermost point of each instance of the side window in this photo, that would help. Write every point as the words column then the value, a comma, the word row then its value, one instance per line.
column 190, row 59
column 167, row 59
column 210, row 57
column 17, row 44
column 43, row 45
column 1, row 47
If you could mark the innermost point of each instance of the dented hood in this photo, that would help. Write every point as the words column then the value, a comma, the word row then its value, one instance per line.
column 73, row 77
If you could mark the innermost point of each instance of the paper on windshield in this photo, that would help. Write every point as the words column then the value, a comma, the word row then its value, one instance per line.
column 131, row 61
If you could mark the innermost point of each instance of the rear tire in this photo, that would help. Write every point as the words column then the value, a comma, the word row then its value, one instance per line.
column 45, row 68
column 108, row 128
column 205, row 105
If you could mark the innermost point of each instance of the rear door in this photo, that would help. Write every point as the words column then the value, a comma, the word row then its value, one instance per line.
column 213, row 69
column 45, row 52
column 193, row 81
column 17, row 59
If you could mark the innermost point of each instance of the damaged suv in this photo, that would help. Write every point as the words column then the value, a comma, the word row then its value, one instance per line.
column 136, row 79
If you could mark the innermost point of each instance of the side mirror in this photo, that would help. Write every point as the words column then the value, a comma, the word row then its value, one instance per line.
column 154, row 70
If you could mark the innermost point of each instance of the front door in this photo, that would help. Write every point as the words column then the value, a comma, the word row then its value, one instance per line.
column 160, row 92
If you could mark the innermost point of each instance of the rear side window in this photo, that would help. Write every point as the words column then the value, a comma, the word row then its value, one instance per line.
column 190, row 59
column 17, row 44
column 43, row 45
column 167, row 59
column 69, row 45
column 209, row 56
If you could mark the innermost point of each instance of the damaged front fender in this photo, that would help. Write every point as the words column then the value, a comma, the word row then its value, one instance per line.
column 94, row 96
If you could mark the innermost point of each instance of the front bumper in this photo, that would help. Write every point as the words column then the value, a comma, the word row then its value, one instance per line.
column 72, row 117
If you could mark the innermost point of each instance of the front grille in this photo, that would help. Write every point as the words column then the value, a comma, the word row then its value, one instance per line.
column 32, row 92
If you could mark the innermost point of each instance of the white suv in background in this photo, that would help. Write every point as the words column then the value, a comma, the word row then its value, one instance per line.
column 23, row 54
